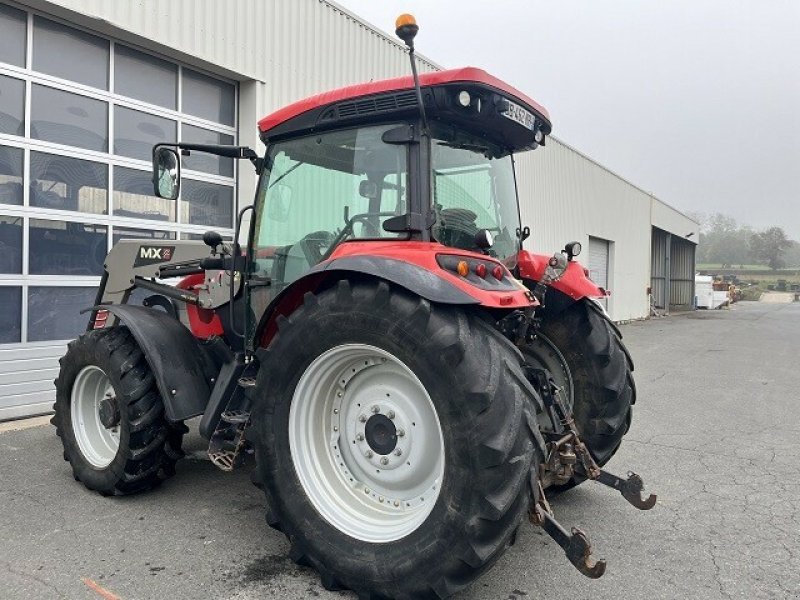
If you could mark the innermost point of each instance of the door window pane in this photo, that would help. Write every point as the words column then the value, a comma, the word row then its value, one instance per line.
column 69, row 119
column 133, row 196
column 208, row 98
column 10, row 245
column 206, row 203
column 67, row 183
column 11, row 175
column 12, row 105
column 66, row 248
column 145, row 77
column 200, row 161
column 11, row 315
column 145, row 234
column 65, row 52
column 135, row 132
column 54, row 313
column 13, row 33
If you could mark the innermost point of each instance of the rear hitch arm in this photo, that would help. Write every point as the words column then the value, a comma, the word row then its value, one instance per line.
column 575, row 544
column 630, row 488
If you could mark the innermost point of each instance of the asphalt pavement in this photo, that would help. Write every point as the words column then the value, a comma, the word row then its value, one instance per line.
column 715, row 435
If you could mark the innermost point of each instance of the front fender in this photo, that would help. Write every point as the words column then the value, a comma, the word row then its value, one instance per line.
column 173, row 354
column 573, row 286
column 574, row 283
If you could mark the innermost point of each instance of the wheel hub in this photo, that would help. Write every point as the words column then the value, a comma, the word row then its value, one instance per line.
column 109, row 412
column 381, row 434
column 95, row 416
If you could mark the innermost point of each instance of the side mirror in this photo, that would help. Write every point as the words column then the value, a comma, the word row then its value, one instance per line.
column 166, row 172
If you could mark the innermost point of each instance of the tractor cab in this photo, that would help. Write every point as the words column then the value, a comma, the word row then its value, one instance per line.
column 363, row 163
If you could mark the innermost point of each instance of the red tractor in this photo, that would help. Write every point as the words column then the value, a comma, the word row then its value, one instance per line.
column 409, row 381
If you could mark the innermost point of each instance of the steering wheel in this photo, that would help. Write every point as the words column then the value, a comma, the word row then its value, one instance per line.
column 456, row 227
column 313, row 244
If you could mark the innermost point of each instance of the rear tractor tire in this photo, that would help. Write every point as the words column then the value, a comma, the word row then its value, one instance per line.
column 110, row 416
column 584, row 353
column 393, row 441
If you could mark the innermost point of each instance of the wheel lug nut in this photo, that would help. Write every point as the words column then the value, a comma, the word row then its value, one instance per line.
column 366, row 490
column 398, row 452
column 400, row 433
column 375, row 409
column 368, row 454
column 360, row 437
column 390, row 414
column 362, row 418
column 381, row 499
column 335, row 428
column 336, row 411
column 384, row 461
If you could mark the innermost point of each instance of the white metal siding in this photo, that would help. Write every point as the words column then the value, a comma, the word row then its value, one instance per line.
column 26, row 379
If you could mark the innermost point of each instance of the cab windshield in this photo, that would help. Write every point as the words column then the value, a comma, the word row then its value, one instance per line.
column 324, row 189
column 474, row 189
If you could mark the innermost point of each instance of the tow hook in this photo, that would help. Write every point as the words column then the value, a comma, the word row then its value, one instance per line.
column 568, row 455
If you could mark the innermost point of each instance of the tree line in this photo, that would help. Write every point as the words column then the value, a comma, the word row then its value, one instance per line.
column 725, row 242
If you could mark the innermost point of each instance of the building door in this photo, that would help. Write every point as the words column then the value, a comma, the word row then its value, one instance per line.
column 598, row 263
column 79, row 114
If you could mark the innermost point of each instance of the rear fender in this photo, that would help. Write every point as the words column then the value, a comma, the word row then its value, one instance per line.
column 419, row 281
column 174, row 356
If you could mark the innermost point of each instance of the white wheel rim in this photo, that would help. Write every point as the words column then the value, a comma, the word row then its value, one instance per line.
column 369, row 496
column 98, row 444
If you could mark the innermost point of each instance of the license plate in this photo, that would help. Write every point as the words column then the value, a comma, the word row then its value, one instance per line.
column 519, row 115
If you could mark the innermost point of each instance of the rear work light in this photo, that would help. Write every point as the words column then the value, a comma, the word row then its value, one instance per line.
column 476, row 272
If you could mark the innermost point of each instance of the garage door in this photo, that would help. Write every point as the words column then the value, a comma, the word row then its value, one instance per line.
column 79, row 114
column 598, row 262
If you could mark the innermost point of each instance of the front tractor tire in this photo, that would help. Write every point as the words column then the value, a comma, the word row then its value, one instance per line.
column 393, row 441
column 587, row 359
column 110, row 416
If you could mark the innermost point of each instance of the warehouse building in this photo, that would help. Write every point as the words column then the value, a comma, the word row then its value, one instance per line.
column 88, row 86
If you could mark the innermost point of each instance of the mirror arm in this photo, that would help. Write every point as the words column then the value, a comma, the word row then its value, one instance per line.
column 218, row 149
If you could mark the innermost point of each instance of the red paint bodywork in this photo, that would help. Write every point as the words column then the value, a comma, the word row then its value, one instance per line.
column 423, row 254
column 574, row 283
column 465, row 74
column 203, row 322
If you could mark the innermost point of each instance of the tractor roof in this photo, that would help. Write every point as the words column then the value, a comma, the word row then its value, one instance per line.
column 310, row 113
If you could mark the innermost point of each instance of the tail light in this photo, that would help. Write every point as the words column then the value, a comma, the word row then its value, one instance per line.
column 498, row 272
column 475, row 271
column 100, row 318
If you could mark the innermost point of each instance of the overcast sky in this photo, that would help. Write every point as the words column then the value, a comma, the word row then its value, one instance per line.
column 697, row 101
